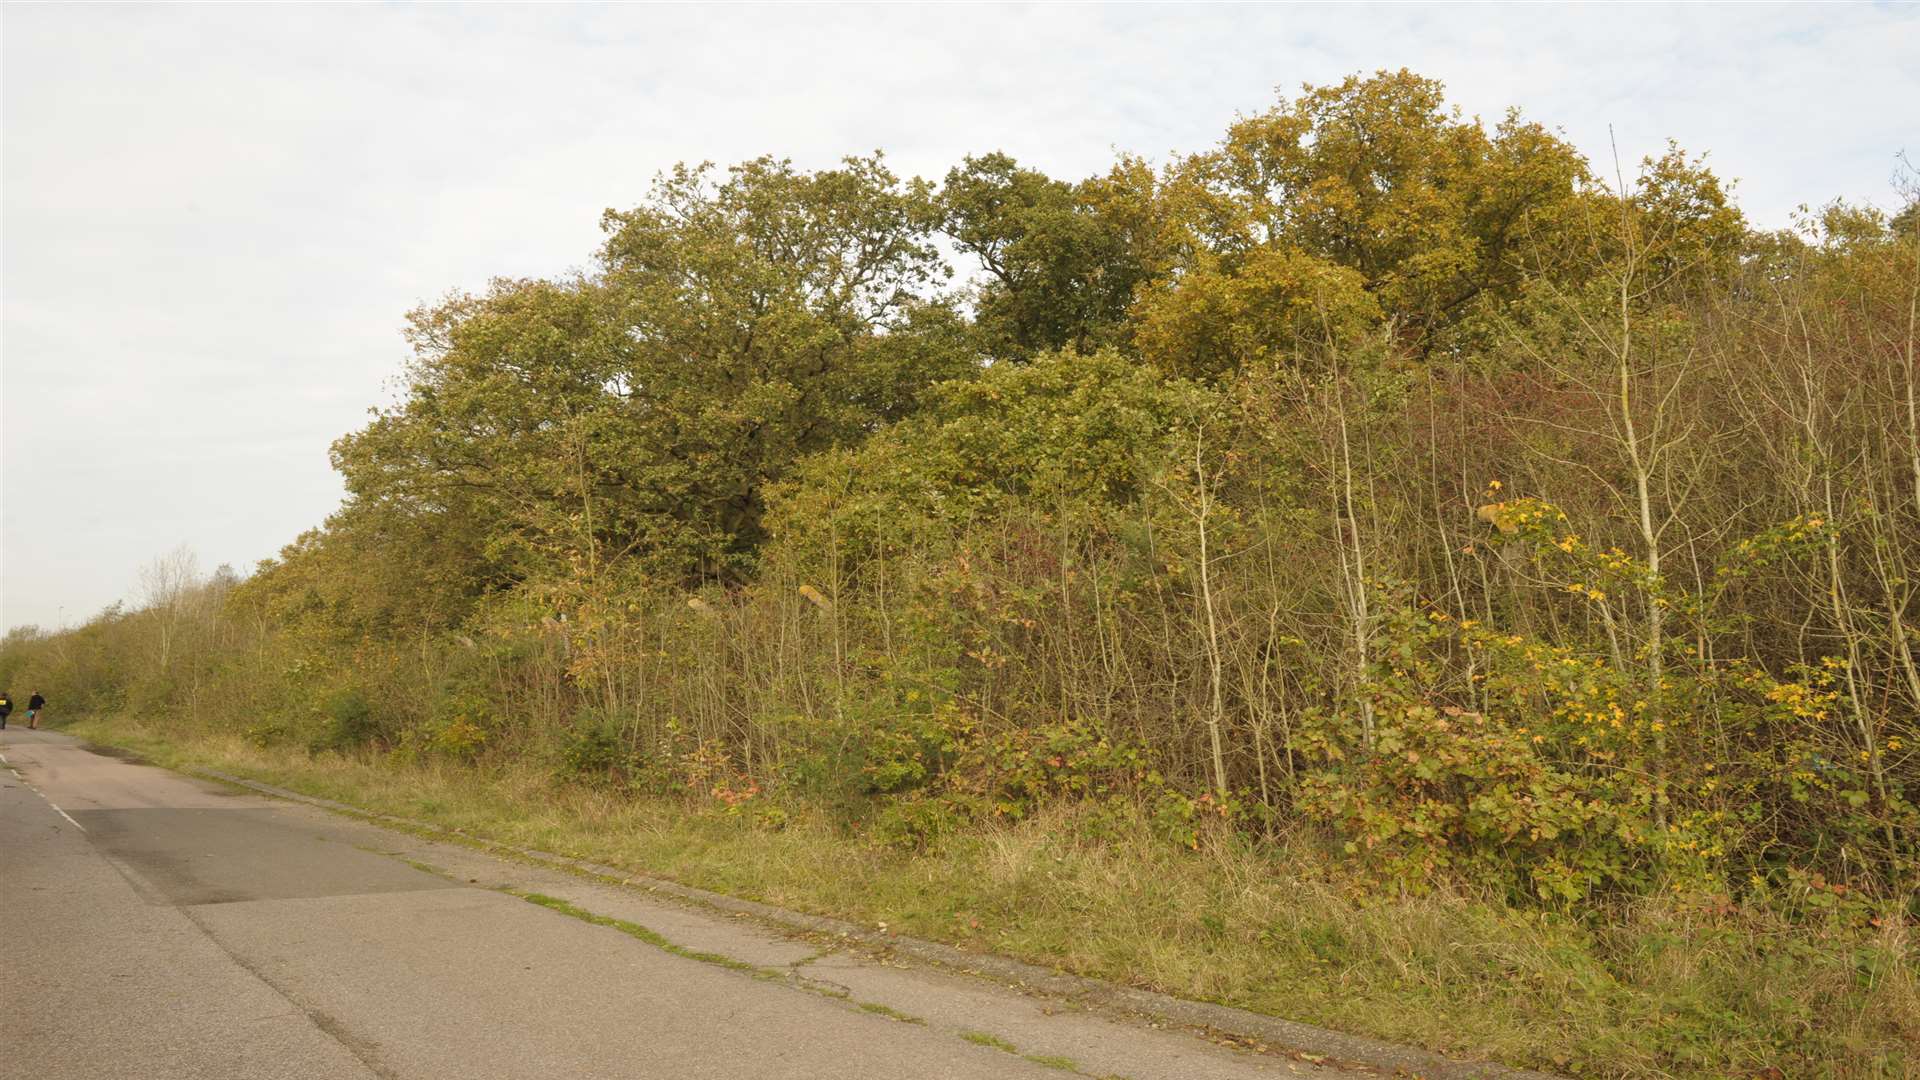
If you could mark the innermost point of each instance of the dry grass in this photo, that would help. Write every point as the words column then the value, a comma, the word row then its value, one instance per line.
column 1646, row 990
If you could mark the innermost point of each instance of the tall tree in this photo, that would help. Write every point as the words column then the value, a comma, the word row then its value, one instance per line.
column 1061, row 262
column 633, row 418
column 1353, row 205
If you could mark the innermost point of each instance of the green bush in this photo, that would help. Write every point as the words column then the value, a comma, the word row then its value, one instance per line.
column 464, row 722
column 1017, row 770
column 347, row 721
column 596, row 751
column 919, row 822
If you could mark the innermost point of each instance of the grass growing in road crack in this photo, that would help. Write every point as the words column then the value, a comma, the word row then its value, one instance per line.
column 982, row 1038
column 889, row 1012
column 635, row 930
column 1051, row 1061
column 564, row 907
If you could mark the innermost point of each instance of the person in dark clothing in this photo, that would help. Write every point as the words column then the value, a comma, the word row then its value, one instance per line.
column 34, row 705
column 6, row 708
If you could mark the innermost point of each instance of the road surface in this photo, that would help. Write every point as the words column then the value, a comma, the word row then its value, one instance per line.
column 154, row 926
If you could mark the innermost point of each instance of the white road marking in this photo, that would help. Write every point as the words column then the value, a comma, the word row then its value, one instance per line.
column 42, row 794
column 64, row 814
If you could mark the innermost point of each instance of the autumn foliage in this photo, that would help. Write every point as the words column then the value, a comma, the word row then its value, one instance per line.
column 1378, row 476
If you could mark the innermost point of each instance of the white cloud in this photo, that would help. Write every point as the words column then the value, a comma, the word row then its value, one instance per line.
column 215, row 217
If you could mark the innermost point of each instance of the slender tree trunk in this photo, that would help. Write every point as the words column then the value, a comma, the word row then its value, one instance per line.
column 1217, row 712
column 1353, row 567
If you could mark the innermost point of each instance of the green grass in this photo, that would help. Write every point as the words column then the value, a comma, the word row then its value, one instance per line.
column 889, row 1012
column 1051, row 1061
column 1639, row 990
column 631, row 929
column 635, row 930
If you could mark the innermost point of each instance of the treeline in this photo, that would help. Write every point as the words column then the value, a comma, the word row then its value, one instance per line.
column 1378, row 475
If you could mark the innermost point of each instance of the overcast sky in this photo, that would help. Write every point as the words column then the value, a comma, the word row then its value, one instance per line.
column 216, row 217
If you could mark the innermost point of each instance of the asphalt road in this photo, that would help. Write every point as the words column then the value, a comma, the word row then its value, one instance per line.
column 154, row 926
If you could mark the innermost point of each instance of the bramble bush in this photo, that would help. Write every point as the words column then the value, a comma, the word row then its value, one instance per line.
column 1567, row 770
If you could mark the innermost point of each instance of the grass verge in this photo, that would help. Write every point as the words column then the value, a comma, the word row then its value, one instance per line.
column 1640, row 990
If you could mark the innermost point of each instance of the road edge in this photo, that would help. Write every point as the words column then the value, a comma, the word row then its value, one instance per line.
column 1305, row 1039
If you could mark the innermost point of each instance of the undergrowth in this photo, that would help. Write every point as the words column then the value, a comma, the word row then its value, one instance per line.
column 1648, row 988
